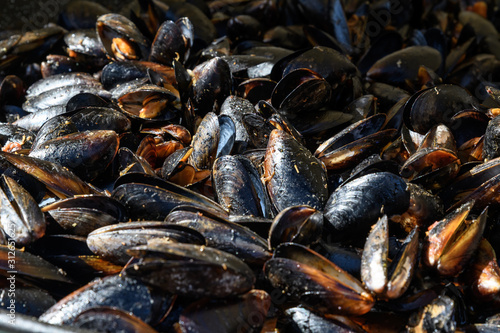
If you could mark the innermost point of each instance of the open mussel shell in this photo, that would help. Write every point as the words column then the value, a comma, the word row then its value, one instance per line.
column 121, row 38
column 387, row 282
column 20, row 217
column 297, row 224
column 190, row 270
column 120, row 291
column 483, row 274
column 238, row 188
column 293, row 175
column 229, row 315
column 85, row 153
column 452, row 241
column 315, row 282
column 470, row 180
column 82, row 214
column 14, row 138
column 223, row 234
column 112, row 242
column 150, row 102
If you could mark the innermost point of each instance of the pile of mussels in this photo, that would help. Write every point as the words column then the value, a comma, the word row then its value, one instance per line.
column 252, row 166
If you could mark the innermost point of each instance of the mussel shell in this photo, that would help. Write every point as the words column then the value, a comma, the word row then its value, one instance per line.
column 100, row 118
column 112, row 242
column 191, row 270
column 437, row 105
column 83, row 214
column 61, row 80
column 355, row 206
column 170, row 43
column 86, row 153
column 300, row 90
column 115, row 26
column 53, row 128
column 61, row 96
column 237, row 108
column 173, row 162
column 85, row 42
column 223, row 235
column 133, row 101
column 34, row 121
column 211, row 84
column 293, row 175
column 319, row 59
column 356, row 131
column 238, row 188
column 318, row 283
column 110, row 319
column 152, row 198
column 58, row 179
column 491, row 147
column 229, row 315
column 404, row 64
column 205, row 142
column 118, row 291
column 20, row 216
column 297, row 224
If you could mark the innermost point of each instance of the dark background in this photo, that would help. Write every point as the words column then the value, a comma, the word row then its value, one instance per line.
column 30, row 14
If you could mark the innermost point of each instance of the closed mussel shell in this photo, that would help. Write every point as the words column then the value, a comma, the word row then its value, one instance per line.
column 227, row 315
column 355, row 206
column 191, row 270
column 86, row 153
column 223, row 235
column 293, row 175
column 112, row 242
column 83, row 214
column 238, row 187
column 120, row 291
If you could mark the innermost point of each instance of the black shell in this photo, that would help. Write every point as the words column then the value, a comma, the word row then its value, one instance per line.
column 356, row 206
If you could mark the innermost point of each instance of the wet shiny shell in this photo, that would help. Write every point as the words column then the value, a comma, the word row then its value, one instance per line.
column 191, row 270
column 355, row 206
column 86, row 153
column 293, row 175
